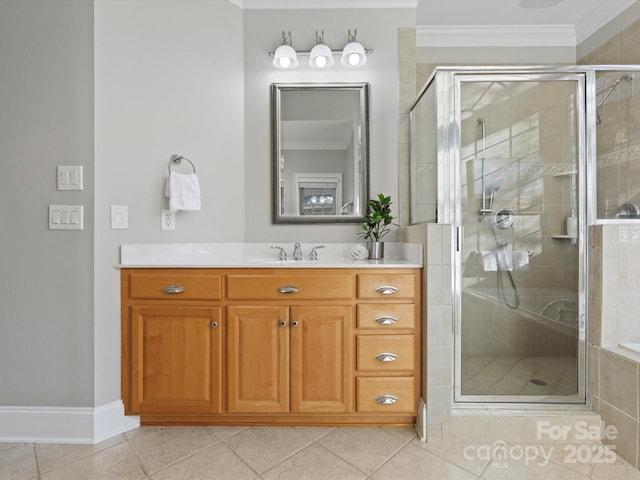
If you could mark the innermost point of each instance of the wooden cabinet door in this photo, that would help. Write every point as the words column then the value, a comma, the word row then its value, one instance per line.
column 257, row 359
column 176, row 360
column 322, row 378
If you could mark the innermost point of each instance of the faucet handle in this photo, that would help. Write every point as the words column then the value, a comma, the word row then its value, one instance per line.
column 297, row 251
column 313, row 255
column 283, row 254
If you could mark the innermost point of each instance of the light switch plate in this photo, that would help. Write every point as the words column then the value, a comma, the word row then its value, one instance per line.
column 119, row 217
column 69, row 177
column 66, row 217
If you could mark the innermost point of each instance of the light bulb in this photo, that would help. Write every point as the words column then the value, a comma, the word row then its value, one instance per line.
column 353, row 55
column 285, row 62
column 320, row 57
column 285, row 57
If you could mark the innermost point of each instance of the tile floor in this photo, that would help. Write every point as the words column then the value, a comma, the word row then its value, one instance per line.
column 300, row 453
column 512, row 375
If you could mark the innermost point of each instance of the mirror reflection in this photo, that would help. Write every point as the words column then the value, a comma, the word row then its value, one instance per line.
column 320, row 152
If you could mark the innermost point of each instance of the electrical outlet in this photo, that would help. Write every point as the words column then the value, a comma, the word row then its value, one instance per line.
column 167, row 220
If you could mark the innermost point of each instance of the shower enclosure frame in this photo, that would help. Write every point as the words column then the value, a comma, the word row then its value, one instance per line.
column 446, row 81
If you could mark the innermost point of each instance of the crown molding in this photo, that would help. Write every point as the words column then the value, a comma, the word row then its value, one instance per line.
column 599, row 17
column 495, row 36
column 321, row 4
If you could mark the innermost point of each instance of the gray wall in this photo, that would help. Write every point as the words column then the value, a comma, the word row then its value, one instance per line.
column 46, row 277
column 169, row 79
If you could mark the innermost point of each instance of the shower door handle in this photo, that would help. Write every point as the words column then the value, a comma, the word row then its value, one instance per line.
column 459, row 238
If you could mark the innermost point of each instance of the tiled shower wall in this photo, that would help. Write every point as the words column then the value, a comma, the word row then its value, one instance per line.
column 618, row 134
column 437, row 331
column 614, row 289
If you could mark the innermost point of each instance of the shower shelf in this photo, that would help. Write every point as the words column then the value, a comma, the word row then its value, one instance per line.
column 563, row 237
column 565, row 174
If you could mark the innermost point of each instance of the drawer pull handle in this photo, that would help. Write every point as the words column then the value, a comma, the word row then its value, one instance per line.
column 386, row 399
column 386, row 320
column 386, row 289
column 294, row 323
column 214, row 324
column 173, row 289
column 386, row 357
column 283, row 323
column 288, row 289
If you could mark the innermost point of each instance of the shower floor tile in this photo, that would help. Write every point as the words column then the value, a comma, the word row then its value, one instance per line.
column 519, row 376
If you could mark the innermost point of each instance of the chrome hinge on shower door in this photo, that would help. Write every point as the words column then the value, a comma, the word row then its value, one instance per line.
column 459, row 238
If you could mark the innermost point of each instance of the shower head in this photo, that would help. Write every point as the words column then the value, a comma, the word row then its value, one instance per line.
column 627, row 77
column 491, row 190
column 494, row 186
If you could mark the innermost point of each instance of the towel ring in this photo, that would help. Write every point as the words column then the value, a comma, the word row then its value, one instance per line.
column 177, row 160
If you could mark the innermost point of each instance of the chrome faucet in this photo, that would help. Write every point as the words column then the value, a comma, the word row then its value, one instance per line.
column 297, row 252
column 313, row 255
column 282, row 255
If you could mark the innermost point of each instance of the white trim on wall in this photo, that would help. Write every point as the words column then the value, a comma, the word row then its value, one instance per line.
column 495, row 35
column 82, row 425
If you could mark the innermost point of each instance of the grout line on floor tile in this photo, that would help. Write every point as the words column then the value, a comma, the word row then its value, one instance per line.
column 138, row 459
column 387, row 460
column 35, row 457
column 289, row 456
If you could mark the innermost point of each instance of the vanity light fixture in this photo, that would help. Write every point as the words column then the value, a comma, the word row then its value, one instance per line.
column 285, row 57
column 353, row 55
column 320, row 56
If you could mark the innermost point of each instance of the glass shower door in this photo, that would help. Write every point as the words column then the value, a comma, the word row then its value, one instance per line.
column 520, row 297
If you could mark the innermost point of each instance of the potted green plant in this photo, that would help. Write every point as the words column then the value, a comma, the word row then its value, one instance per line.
column 376, row 225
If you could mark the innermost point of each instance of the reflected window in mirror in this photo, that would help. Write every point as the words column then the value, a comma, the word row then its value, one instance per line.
column 320, row 157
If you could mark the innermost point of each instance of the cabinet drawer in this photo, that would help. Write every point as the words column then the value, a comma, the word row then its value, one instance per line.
column 291, row 286
column 387, row 286
column 385, row 316
column 386, row 353
column 387, row 394
column 175, row 286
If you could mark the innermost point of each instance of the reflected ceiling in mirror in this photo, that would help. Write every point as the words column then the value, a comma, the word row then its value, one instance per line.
column 320, row 152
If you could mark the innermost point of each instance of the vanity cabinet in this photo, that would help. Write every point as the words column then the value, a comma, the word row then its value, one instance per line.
column 176, row 352
column 387, row 342
column 289, row 359
column 297, row 346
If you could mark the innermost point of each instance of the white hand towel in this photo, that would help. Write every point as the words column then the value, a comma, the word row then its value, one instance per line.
column 520, row 260
column 489, row 261
column 504, row 258
column 183, row 191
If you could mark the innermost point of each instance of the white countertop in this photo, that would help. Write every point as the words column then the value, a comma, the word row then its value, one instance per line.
column 261, row 255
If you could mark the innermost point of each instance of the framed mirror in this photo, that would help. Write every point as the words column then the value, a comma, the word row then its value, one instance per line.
column 320, row 152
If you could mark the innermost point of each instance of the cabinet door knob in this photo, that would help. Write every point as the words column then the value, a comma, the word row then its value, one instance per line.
column 283, row 323
column 214, row 324
column 288, row 289
column 173, row 289
column 386, row 357
column 386, row 399
column 386, row 320
column 386, row 289
column 294, row 323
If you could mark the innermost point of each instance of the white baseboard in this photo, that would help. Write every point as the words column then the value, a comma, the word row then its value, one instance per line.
column 64, row 424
